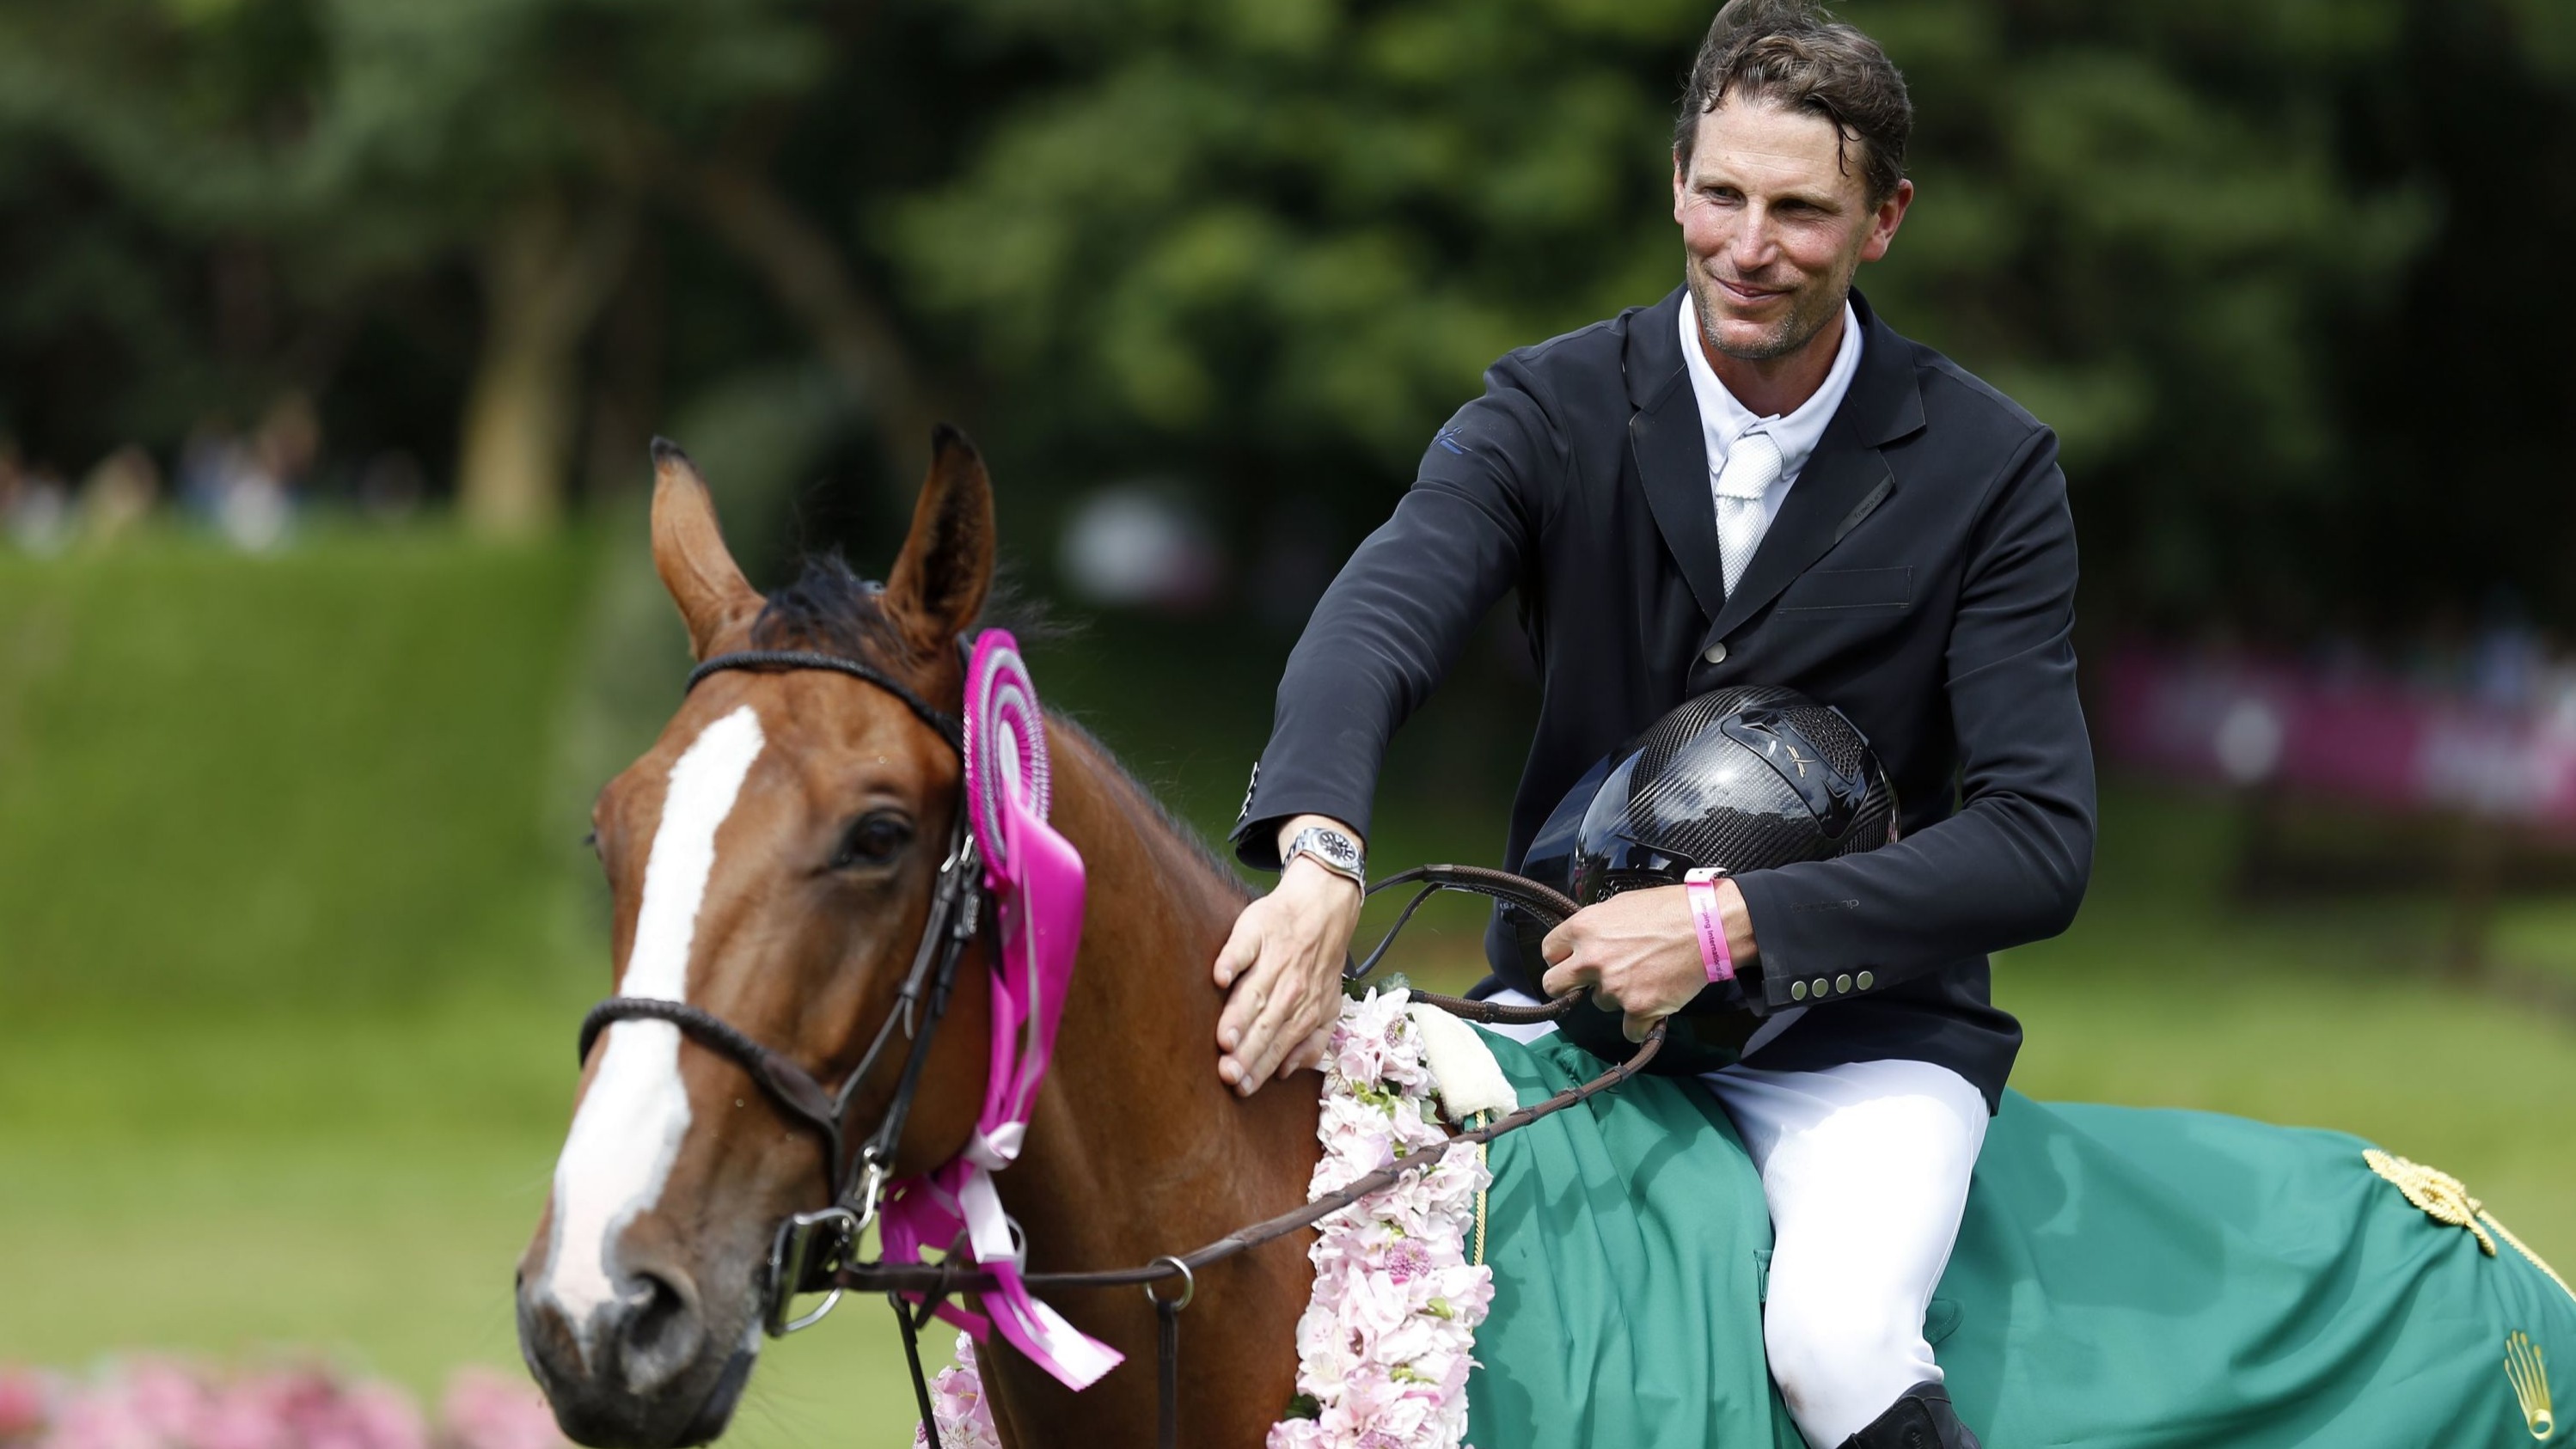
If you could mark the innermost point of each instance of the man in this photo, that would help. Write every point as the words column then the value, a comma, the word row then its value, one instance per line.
column 1756, row 481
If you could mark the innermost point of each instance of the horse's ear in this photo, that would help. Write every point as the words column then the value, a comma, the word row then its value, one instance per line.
column 689, row 551
column 946, row 568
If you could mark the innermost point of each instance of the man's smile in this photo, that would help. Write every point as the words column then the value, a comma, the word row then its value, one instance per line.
column 1745, row 294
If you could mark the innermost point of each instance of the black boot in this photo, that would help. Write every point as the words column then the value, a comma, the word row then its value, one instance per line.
column 1921, row 1418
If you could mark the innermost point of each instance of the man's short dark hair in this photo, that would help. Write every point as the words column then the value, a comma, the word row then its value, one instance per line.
column 1792, row 53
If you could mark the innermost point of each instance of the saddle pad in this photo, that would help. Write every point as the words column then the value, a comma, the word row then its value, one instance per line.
column 2124, row 1278
column 1627, row 1237
column 2130, row 1278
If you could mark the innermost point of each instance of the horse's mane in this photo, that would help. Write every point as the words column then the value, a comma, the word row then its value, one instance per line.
column 1181, row 830
column 831, row 608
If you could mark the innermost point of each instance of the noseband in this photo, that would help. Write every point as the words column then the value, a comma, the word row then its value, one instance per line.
column 811, row 1245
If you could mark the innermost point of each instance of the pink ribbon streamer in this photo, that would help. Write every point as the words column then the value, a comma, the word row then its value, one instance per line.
column 1035, row 879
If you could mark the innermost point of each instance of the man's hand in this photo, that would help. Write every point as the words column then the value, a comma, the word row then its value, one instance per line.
column 1639, row 952
column 1283, row 970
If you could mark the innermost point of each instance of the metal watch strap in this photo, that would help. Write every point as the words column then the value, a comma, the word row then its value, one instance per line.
column 1307, row 842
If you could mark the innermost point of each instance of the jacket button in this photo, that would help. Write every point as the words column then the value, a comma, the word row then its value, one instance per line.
column 1867, row 981
column 1818, row 989
column 1842, row 983
column 1797, row 991
column 1716, row 653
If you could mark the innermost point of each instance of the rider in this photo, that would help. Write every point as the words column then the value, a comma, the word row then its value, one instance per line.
column 1755, row 481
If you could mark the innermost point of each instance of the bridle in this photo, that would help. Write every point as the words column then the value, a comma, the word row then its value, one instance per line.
column 813, row 1251
column 811, row 1243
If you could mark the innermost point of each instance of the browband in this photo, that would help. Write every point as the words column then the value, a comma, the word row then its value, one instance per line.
column 761, row 659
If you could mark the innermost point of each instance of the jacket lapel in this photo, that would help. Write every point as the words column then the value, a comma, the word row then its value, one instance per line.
column 1671, row 452
column 1845, row 479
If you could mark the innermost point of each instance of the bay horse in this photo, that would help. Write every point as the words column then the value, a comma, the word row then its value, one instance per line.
column 771, row 860
column 2123, row 1277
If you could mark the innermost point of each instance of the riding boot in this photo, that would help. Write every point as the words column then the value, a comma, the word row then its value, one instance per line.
column 1921, row 1418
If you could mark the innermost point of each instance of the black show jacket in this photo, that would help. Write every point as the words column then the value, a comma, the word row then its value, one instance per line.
column 1920, row 575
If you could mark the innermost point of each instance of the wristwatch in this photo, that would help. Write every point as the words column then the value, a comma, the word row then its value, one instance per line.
column 1332, row 849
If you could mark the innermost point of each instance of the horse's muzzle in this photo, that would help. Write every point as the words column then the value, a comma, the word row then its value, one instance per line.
column 642, row 1372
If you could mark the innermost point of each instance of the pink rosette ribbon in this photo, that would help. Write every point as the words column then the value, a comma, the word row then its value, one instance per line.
column 1034, row 877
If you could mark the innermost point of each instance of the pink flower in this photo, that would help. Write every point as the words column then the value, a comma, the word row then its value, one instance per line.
column 1297, row 1434
column 156, row 1403
column 162, row 1398
column 957, row 1403
column 485, row 1408
column 379, row 1416
column 26, row 1404
column 1407, row 1261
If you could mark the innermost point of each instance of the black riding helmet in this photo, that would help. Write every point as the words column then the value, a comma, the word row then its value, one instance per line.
column 1737, row 779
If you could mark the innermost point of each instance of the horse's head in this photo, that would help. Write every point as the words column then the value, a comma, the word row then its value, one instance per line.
column 773, row 860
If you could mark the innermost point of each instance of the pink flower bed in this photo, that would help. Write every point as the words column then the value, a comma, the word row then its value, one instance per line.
column 168, row 1403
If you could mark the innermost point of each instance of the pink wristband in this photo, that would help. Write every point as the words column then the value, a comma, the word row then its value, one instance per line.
column 1701, row 886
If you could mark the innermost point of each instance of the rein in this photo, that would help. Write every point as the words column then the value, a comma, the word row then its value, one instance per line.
column 814, row 1251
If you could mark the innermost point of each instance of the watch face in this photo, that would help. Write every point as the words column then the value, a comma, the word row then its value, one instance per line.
column 1333, row 846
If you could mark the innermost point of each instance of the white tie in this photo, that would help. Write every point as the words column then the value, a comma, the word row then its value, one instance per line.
column 1752, row 466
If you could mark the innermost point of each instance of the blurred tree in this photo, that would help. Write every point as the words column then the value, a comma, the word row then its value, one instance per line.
column 528, row 134
column 2247, row 258
column 132, row 137
column 2139, row 221
column 2453, row 501
column 335, row 151
column 1280, row 239
column 1300, row 228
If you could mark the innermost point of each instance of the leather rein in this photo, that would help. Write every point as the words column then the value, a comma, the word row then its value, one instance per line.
column 815, row 1252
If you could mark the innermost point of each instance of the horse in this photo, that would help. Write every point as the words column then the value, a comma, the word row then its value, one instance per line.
column 2123, row 1277
column 770, row 859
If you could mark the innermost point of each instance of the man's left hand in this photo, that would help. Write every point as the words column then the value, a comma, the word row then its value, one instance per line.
column 1638, row 951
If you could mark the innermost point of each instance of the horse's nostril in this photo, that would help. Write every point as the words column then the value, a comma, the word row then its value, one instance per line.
column 660, row 1332
column 663, row 1312
column 548, row 1343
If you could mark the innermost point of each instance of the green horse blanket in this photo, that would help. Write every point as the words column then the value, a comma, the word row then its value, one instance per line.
column 2123, row 1278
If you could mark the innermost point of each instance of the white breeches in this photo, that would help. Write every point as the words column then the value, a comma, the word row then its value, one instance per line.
column 1866, row 1169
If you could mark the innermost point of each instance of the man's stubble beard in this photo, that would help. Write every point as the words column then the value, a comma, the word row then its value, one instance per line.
column 1812, row 309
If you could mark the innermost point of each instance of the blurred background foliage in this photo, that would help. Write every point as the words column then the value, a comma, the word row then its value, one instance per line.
column 294, row 921
column 2268, row 268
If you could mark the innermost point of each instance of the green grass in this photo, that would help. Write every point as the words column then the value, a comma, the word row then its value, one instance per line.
column 294, row 931
column 362, row 1182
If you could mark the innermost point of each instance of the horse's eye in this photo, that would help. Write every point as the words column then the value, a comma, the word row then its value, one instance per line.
column 872, row 839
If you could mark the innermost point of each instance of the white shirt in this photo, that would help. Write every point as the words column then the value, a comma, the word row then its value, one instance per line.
column 1722, row 419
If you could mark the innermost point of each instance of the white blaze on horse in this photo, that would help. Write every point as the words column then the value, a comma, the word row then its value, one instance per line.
column 635, row 1114
column 785, row 868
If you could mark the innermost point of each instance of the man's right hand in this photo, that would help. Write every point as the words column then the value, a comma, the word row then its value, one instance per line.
column 1282, row 969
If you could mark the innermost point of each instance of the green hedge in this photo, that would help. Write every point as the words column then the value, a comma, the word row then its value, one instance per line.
column 311, row 778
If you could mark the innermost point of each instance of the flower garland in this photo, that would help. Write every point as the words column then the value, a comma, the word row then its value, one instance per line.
column 1386, row 1343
